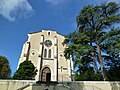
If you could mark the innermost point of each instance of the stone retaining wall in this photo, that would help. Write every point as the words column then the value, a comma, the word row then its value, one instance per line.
column 75, row 85
column 14, row 84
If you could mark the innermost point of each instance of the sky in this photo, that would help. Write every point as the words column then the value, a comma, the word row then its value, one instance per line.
column 20, row 17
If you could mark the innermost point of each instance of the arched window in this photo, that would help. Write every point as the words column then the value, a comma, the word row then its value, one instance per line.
column 48, row 33
column 49, row 53
column 45, row 53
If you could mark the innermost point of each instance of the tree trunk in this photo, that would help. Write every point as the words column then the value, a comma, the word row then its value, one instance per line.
column 101, row 63
column 94, row 62
column 94, row 59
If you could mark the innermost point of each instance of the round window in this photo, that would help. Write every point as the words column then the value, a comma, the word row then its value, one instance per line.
column 48, row 43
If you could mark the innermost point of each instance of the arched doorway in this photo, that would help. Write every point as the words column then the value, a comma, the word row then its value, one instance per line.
column 46, row 74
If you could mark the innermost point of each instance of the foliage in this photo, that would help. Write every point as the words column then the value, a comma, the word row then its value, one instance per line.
column 114, row 73
column 93, row 37
column 88, row 75
column 5, row 70
column 112, row 48
column 26, row 71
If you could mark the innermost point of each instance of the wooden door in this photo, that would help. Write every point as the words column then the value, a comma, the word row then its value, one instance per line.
column 46, row 74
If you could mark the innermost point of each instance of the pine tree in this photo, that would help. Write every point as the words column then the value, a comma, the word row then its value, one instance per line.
column 26, row 71
column 93, row 25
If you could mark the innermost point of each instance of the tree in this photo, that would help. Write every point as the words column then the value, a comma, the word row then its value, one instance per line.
column 112, row 48
column 26, row 71
column 80, row 50
column 5, row 70
column 114, row 73
column 93, row 27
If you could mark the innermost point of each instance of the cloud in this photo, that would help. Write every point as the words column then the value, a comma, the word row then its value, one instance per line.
column 11, row 9
column 55, row 2
column 118, row 1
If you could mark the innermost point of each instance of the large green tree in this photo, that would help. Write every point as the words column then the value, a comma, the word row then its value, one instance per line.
column 5, row 70
column 93, row 33
column 26, row 71
column 112, row 59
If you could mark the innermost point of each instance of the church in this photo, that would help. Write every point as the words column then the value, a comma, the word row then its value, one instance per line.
column 46, row 51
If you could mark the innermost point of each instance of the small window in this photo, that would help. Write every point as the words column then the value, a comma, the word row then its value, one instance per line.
column 48, row 33
column 45, row 53
column 49, row 53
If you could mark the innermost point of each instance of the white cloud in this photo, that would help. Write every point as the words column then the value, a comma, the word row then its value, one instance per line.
column 55, row 2
column 11, row 9
column 118, row 1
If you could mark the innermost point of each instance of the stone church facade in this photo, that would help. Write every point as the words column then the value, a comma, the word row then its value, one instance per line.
column 46, row 51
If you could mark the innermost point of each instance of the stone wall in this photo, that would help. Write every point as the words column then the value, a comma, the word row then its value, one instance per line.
column 93, row 85
column 79, row 85
column 75, row 85
column 14, row 84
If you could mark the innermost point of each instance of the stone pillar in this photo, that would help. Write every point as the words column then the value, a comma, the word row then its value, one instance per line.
column 24, row 54
column 38, row 76
column 26, row 49
column 55, row 59
column 29, row 36
column 71, row 66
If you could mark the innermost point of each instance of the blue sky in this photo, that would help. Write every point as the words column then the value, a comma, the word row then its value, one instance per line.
column 19, row 17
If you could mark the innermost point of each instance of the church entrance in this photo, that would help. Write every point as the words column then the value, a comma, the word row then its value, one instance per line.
column 46, row 74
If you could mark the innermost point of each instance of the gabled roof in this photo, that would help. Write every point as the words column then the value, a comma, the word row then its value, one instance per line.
column 45, row 30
